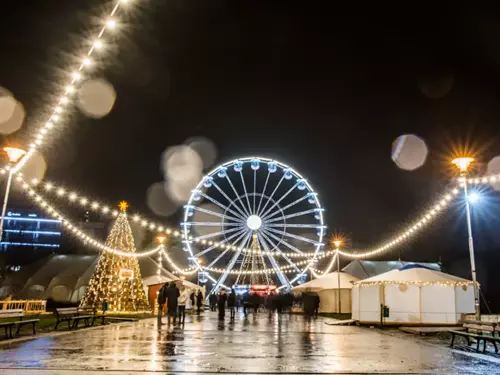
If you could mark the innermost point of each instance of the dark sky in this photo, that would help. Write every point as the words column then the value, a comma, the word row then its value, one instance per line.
column 323, row 88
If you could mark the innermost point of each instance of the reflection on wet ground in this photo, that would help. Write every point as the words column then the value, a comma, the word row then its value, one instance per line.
column 289, row 344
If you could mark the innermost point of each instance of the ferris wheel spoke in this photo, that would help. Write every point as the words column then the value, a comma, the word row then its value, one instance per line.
column 282, row 253
column 225, row 251
column 294, row 236
column 254, row 189
column 279, row 272
column 298, row 251
column 219, row 233
column 245, row 189
column 247, row 244
column 279, row 200
column 285, row 208
column 302, row 213
column 210, row 212
column 237, row 196
column 263, row 192
column 225, row 240
column 295, row 226
column 271, row 196
column 230, row 266
column 226, row 208
column 213, row 224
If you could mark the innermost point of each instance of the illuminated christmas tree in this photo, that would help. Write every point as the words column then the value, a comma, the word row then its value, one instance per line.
column 117, row 278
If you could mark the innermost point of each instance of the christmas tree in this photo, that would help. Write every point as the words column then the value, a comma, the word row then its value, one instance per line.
column 117, row 278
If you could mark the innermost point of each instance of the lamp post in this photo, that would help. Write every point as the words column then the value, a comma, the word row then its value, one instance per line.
column 337, row 246
column 463, row 164
column 14, row 154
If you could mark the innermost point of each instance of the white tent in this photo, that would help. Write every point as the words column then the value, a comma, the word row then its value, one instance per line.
column 414, row 295
column 364, row 269
column 64, row 278
column 327, row 288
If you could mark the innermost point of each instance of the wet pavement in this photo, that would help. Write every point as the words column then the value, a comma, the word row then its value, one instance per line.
column 290, row 344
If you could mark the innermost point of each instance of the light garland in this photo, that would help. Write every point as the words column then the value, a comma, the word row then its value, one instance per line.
column 101, row 208
column 411, row 231
column 414, row 282
column 96, row 206
column 177, row 268
column 76, row 231
column 287, row 268
column 64, row 99
column 318, row 273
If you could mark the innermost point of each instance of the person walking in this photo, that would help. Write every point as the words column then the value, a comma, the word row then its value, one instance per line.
column 221, row 304
column 231, row 303
column 246, row 303
column 162, row 298
column 316, row 305
column 199, row 301
column 192, row 298
column 212, row 301
column 182, row 301
column 172, row 297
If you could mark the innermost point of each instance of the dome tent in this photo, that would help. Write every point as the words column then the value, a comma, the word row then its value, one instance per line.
column 415, row 295
column 64, row 278
column 327, row 287
column 364, row 269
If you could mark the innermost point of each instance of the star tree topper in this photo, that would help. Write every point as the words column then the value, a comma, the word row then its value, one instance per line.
column 123, row 205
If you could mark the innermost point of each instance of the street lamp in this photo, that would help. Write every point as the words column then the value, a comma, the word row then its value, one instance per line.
column 337, row 244
column 14, row 154
column 463, row 164
column 161, row 239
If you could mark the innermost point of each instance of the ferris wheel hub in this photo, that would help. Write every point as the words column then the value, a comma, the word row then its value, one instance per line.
column 254, row 222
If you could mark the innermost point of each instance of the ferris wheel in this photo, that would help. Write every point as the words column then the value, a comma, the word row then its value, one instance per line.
column 253, row 216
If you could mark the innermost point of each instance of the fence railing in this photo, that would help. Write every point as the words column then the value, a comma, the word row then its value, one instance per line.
column 28, row 306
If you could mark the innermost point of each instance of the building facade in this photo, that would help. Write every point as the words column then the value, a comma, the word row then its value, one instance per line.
column 27, row 237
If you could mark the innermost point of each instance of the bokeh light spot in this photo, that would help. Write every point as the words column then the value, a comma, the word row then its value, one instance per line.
column 96, row 98
column 158, row 201
column 494, row 169
column 35, row 167
column 409, row 152
column 12, row 113
column 182, row 164
column 205, row 148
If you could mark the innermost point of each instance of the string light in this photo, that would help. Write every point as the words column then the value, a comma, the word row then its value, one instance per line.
column 418, row 225
column 74, row 230
column 413, row 282
column 410, row 231
column 75, row 76
column 397, row 240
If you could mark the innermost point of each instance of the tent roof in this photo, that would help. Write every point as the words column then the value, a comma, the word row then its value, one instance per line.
column 328, row 281
column 364, row 269
column 72, row 271
column 415, row 274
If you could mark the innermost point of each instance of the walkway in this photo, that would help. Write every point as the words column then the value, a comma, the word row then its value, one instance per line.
column 257, row 345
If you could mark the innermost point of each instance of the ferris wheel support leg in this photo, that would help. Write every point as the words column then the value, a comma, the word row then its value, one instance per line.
column 281, row 276
column 226, row 272
column 282, row 253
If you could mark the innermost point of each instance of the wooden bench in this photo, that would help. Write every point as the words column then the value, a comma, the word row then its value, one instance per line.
column 479, row 331
column 70, row 314
column 15, row 313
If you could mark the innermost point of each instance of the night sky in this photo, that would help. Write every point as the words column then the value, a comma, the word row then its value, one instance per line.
column 325, row 89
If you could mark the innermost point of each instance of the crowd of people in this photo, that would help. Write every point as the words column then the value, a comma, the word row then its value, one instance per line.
column 180, row 300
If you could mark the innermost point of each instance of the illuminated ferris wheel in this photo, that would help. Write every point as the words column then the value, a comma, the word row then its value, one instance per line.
column 253, row 216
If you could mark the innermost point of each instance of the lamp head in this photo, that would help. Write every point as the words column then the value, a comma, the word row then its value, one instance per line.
column 14, row 154
column 337, row 243
column 161, row 239
column 462, row 163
